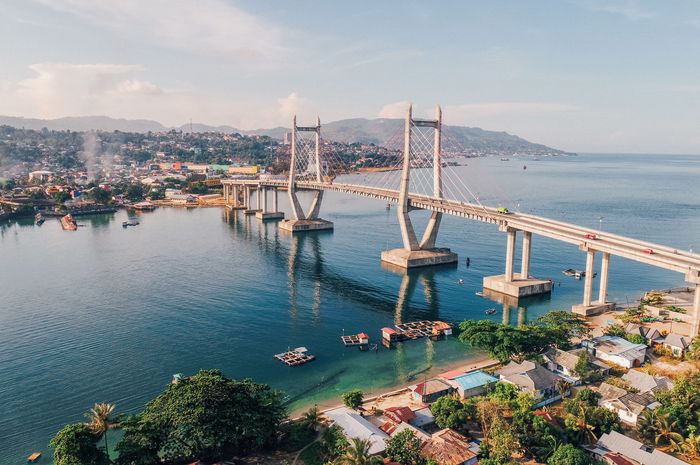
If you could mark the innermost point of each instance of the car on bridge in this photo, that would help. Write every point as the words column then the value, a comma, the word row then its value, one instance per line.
column 590, row 236
column 649, row 251
column 503, row 210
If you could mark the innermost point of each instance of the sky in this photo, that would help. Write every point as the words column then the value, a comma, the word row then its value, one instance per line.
column 579, row 75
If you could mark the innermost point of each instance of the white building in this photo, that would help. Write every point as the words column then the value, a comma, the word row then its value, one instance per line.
column 617, row 350
column 355, row 425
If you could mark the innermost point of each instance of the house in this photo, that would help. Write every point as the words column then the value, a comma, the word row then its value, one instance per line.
column 564, row 363
column 532, row 378
column 396, row 419
column 448, row 447
column 617, row 350
column 472, row 384
column 431, row 390
column 645, row 382
column 424, row 417
column 612, row 446
column 355, row 425
column 652, row 335
column 627, row 405
column 677, row 344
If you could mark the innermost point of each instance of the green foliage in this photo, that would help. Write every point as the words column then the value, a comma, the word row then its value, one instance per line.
column 504, row 342
column 334, row 443
column 681, row 402
column 450, row 412
column 676, row 309
column 636, row 338
column 311, row 418
column 198, row 188
column 295, row 436
column 206, row 417
column 156, row 194
column 61, row 196
column 537, row 438
column 134, row 192
column 506, row 393
column 76, row 444
column 357, row 453
column 615, row 329
column 100, row 195
column 353, row 399
column 569, row 455
column 585, row 421
column 404, row 447
column 500, row 444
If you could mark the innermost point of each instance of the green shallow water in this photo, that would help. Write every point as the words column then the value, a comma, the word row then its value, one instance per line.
column 108, row 314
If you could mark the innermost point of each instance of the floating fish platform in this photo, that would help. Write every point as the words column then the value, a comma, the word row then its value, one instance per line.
column 416, row 330
column 360, row 339
column 295, row 357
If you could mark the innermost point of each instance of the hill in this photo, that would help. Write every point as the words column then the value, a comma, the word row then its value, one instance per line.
column 375, row 131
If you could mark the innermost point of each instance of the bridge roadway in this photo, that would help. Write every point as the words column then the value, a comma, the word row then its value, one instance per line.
column 663, row 256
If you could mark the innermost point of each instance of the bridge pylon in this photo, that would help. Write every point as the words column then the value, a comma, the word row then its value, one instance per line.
column 424, row 253
column 300, row 220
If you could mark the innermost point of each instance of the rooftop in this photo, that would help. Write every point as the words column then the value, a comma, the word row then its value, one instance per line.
column 448, row 447
column 355, row 426
column 629, row 448
column 474, row 379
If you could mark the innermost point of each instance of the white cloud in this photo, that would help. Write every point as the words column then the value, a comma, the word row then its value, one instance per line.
column 631, row 10
column 205, row 27
column 134, row 86
column 292, row 105
column 394, row 110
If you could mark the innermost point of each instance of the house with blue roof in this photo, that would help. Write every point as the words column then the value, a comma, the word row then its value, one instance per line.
column 472, row 384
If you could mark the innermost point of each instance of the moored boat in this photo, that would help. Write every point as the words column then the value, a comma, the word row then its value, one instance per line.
column 39, row 219
column 68, row 224
column 144, row 206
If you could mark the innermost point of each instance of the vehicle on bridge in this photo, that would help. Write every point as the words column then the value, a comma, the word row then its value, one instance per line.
column 590, row 236
column 503, row 210
column 649, row 251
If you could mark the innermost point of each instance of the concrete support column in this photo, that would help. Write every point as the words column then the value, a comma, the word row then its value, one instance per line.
column 408, row 235
column 510, row 254
column 258, row 194
column 235, row 195
column 264, row 203
column 588, row 284
column 695, row 329
column 604, row 267
column 225, row 193
column 275, row 200
column 525, row 262
column 246, row 197
column 318, row 149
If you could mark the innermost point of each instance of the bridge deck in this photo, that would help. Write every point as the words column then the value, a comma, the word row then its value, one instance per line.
column 633, row 249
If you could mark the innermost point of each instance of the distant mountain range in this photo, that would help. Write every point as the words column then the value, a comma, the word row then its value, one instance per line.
column 375, row 131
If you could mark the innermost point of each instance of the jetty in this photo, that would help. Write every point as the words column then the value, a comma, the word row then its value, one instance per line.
column 295, row 357
column 415, row 330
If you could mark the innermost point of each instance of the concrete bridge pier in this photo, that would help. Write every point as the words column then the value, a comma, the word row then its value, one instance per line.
column 300, row 221
column 248, row 198
column 589, row 307
column 424, row 253
column 265, row 214
column 517, row 284
column 695, row 327
column 232, row 196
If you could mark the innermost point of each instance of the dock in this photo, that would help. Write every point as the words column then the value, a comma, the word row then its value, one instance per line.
column 360, row 339
column 295, row 357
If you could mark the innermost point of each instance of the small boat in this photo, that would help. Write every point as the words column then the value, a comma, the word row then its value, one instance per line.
column 68, row 224
column 524, row 167
column 479, row 294
column 39, row 219
column 570, row 272
column 505, row 159
column 34, row 457
column 129, row 223
column 490, row 311
column 460, row 281
column 144, row 206
column 388, row 206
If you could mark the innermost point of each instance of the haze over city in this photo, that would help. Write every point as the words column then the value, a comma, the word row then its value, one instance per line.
column 579, row 75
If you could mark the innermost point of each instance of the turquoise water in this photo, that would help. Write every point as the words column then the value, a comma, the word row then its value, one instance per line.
column 108, row 314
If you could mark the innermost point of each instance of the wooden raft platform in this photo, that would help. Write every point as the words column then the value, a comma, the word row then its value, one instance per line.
column 360, row 339
column 295, row 357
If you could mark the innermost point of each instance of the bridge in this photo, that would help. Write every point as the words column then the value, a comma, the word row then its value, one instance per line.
column 306, row 173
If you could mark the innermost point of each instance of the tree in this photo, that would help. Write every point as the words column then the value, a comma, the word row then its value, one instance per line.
column 503, row 342
column 61, row 196
column 636, row 338
column 666, row 431
column 569, row 455
column 646, row 426
column 505, row 393
column 404, row 448
column 691, row 446
column 450, row 412
column 537, row 437
column 582, row 369
column 615, row 330
column 100, row 420
column 134, row 192
column 334, row 443
column 353, row 399
column 205, row 417
column 500, row 444
column 562, row 326
column 357, row 453
column 100, row 195
column 76, row 444
column 311, row 418
column 563, row 386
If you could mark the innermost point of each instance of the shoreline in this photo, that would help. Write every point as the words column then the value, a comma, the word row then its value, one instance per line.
column 476, row 361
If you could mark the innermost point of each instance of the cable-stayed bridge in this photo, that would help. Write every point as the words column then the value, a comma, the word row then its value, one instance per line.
column 416, row 172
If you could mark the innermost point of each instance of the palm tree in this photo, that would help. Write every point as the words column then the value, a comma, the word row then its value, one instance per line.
column 691, row 446
column 646, row 425
column 358, row 454
column 545, row 450
column 311, row 418
column 100, row 420
column 563, row 387
column 666, row 431
column 585, row 429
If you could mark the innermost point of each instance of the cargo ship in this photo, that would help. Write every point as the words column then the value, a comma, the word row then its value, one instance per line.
column 68, row 224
